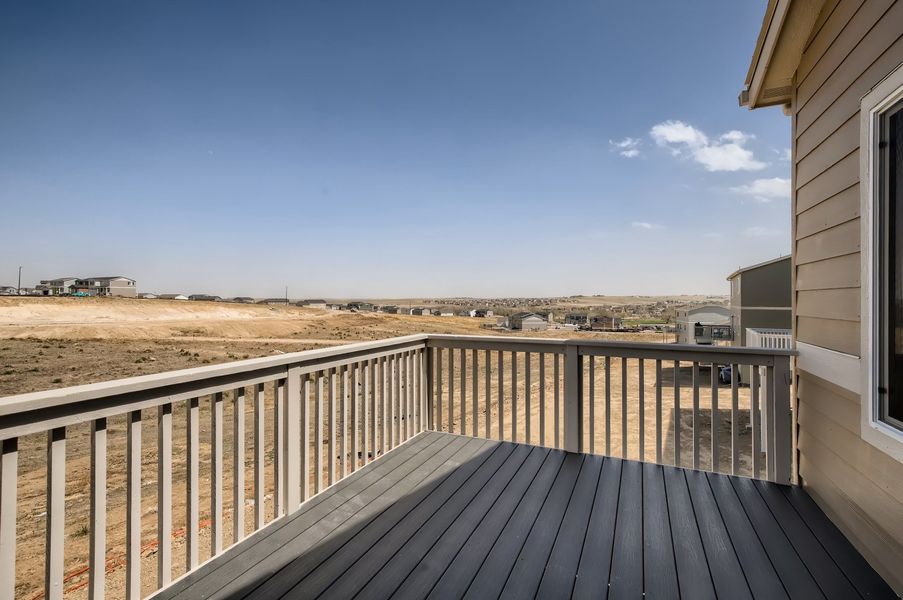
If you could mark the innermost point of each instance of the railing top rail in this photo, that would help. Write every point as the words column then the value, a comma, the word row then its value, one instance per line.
column 691, row 349
column 49, row 398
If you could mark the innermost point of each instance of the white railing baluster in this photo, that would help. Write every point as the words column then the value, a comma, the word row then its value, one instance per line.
column 677, row 413
column 259, row 441
column 735, row 414
column 755, row 418
column 623, row 407
column 396, row 400
column 501, row 386
column 192, row 491
column 318, row 434
column 528, row 397
column 164, row 495
column 658, row 411
column 302, row 384
column 384, row 404
column 642, row 415
column 474, row 409
column 366, row 442
column 355, row 416
column 556, row 376
column 542, row 399
column 514, row 396
column 97, row 551
column 216, row 473
column 592, row 404
column 133, row 507
column 608, row 406
column 487, row 383
column 373, row 381
column 437, row 405
column 9, row 472
column 696, row 415
column 238, row 465
column 451, row 390
column 463, row 394
column 716, row 449
column 279, row 449
column 56, row 513
column 343, row 411
column 332, row 374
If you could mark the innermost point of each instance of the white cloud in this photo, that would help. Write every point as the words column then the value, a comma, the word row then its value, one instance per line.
column 725, row 153
column 628, row 147
column 646, row 225
column 761, row 232
column 766, row 190
column 783, row 154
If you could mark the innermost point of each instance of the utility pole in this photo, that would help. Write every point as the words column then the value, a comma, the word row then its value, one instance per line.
column 19, row 285
column 286, row 294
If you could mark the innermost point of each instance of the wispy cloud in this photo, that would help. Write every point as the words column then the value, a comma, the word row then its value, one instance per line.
column 646, row 225
column 628, row 147
column 727, row 152
column 761, row 232
column 766, row 190
column 783, row 154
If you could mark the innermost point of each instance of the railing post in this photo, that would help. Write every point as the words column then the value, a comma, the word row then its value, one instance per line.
column 573, row 399
column 779, row 421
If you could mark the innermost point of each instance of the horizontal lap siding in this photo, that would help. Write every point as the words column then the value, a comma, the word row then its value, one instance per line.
column 855, row 45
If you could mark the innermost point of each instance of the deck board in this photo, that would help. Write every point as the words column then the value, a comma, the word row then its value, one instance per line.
column 447, row 516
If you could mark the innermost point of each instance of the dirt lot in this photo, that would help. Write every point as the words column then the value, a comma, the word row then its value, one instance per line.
column 48, row 343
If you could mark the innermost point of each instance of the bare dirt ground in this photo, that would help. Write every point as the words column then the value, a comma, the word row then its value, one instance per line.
column 48, row 343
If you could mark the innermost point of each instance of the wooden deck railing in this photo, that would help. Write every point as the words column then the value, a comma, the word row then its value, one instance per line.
column 319, row 415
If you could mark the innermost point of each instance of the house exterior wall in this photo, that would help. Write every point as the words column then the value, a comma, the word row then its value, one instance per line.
column 762, row 297
column 855, row 44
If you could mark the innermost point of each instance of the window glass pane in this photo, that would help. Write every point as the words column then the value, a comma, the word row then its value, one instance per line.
column 893, row 410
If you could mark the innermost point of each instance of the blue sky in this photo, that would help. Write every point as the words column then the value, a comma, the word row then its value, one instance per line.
column 391, row 148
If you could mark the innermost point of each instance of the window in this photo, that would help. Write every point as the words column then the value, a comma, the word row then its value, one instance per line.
column 889, row 211
column 881, row 219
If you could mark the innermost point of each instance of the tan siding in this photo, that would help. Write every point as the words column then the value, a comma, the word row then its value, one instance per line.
column 834, row 180
column 847, row 103
column 850, row 51
column 837, row 241
column 835, row 334
column 860, row 487
column 828, row 152
column 832, row 273
column 829, row 304
column 834, row 211
column 854, row 522
column 840, row 15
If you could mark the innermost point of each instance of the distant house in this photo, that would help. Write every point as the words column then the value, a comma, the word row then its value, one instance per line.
column 361, row 307
column 7, row 290
column 527, row 321
column 114, row 285
column 274, row 301
column 243, row 300
column 761, row 297
column 204, row 298
column 60, row 286
column 481, row 313
column 392, row 310
column 147, row 296
column 420, row 311
column 578, row 319
column 172, row 297
column 704, row 325
column 604, row 322
column 334, row 306
column 313, row 303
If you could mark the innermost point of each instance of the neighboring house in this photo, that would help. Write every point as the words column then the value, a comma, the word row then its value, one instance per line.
column 361, row 306
column 60, row 286
column 274, row 301
column 243, row 300
column 313, row 303
column 601, row 322
column 392, row 310
column 578, row 319
column 527, row 321
column 761, row 297
column 481, row 313
column 115, row 285
column 204, row 298
column 8, row 290
column 703, row 325
column 147, row 296
column 836, row 68
column 172, row 297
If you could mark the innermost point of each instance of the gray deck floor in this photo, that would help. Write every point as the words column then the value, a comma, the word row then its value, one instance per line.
column 447, row 516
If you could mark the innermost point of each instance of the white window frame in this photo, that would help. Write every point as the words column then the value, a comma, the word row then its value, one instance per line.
column 885, row 94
